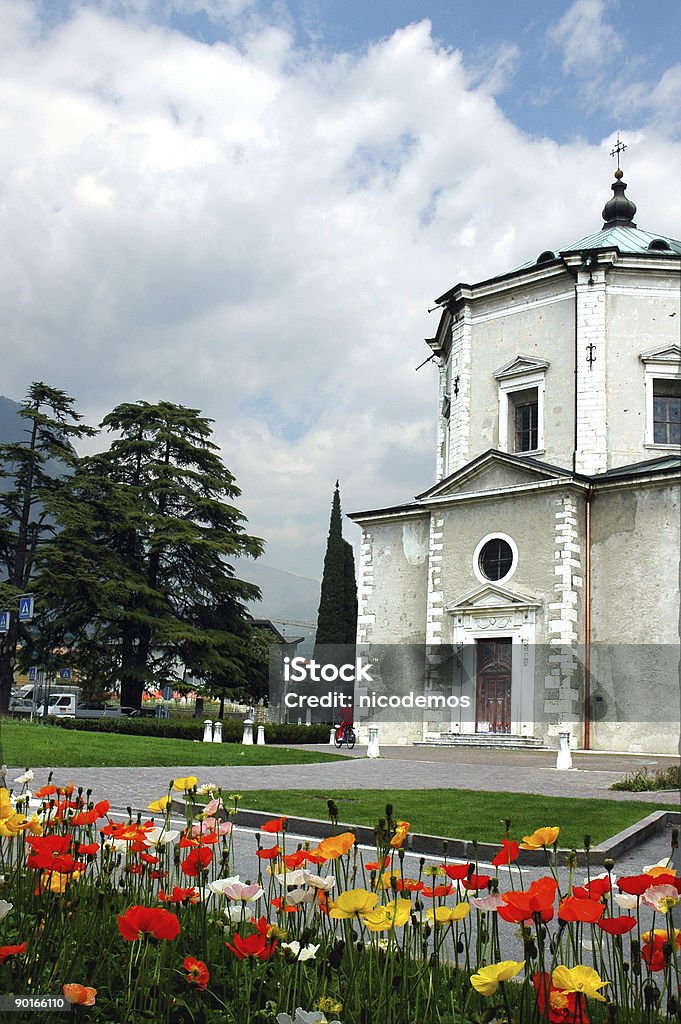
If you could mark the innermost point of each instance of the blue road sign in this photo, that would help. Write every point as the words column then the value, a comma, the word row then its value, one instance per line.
column 25, row 608
column 32, row 674
column 64, row 673
column 4, row 622
column 167, row 692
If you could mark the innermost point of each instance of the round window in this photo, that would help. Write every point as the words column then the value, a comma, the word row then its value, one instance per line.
column 495, row 559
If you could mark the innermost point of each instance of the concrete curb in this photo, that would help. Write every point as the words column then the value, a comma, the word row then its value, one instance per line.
column 463, row 849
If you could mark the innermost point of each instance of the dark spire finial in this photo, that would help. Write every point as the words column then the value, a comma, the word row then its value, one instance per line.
column 619, row 209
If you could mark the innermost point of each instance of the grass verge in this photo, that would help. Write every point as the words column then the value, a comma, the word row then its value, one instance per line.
column 31, row 744
column 462, row 813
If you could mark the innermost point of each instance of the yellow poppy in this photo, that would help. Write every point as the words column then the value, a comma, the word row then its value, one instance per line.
column 159, row 806
column 487, row 980
column 389, row 915
column 579, row 979
column 188, row 782
column 352, row 903
column 445, row 915
column 540, row 837
column 336, row 846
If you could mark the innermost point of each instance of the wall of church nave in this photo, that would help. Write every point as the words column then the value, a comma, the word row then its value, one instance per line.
column 639, row 319
column 635, row 553
column 543, row 329
column 393, row 582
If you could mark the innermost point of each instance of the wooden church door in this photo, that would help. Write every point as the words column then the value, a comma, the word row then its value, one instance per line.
column 493, row 695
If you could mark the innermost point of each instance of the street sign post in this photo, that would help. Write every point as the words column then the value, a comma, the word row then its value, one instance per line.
column 167, row 692
column 64, row 673
column 25, row 608
column 32, row 674
column 4, row 622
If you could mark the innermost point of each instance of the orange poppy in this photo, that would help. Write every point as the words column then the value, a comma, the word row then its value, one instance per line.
column 275, row 825
column 268, row 854
column 574, row 908
column 79, row 995
column 197, row 972
column 335, row 846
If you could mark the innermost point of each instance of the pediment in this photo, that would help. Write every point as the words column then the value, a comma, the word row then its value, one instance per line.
column 493, row 471
column 662, row 354
column 492, row 598
column 520, row 366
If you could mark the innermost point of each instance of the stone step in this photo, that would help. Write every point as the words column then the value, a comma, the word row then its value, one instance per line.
column 483, row 739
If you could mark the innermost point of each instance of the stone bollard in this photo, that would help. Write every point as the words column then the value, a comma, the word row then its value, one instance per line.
column 208, row 731
column 564, row 758
column 217, row 732
column 247, row 738
column 332, row 737
column 373, row 749
column 260, row 742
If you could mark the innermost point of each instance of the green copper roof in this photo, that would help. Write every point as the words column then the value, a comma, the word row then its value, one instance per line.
column 631, row 240
column 628, row 240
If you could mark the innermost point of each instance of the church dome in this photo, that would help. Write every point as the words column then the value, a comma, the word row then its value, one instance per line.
column 619, row 209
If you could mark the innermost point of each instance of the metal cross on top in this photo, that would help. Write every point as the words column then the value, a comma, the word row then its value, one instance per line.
column 618, row 148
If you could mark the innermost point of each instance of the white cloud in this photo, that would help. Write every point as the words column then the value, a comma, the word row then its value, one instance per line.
column 257, row 231
column 587, row 40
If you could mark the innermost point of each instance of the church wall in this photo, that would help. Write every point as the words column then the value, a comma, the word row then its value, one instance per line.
column 635, row 552
column 393, row 581
column 648, row 309
column 542, row 326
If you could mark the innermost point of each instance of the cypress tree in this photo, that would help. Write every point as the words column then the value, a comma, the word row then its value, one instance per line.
column 337, row 615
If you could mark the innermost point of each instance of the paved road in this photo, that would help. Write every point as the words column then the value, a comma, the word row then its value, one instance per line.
column 420, row 768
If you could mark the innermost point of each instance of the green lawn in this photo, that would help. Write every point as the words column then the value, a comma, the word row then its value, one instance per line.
column 463, row 813
column 33, row 745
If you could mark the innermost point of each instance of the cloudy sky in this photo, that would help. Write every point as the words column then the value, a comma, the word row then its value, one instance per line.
column 248, row 207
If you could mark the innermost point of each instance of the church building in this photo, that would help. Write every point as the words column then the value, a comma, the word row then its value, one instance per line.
column 542, row 568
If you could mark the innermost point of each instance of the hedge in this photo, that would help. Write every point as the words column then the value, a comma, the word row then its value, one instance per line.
column 179, row 729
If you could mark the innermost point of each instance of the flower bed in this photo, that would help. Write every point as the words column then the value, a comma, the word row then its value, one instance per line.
column 137, row 920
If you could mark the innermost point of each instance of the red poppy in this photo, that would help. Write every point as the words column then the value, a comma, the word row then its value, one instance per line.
column 507, row 854
column 201, row 839
column 199, row 858
column 437, row 890
column 295, row 860
column 138, row 921
column 275, row 825
column 197, row 972
column 476, row 882
column 522, row 906
column 6, row 951
column 560, row 1007
column 653, row 954
column 135, row 869
column 253, row 945
column 179, row 895
column 616, row 925
column 379, row 865
column 88, row 849
column 278, row 903
column 156, row 874
column 635, row 885
column 314, row 858
column 456, row 871
column 572, row 908
column 149, row 858
column 270, row 853
column 100, row 810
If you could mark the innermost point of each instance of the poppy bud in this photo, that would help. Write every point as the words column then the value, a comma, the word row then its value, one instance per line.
column 612, row 1013
column 400, row 854
column 388, row 811
column 587, row 841
column 460, row 946
column 651, row 994
column 608, row 864
column 675, row 838
column 672, row 1006
column 445, row 847
column 507, row 825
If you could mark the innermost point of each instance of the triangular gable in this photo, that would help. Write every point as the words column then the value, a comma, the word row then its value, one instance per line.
column 662, row 354
column 493, row 471
column 492, row 598
column 520, row 366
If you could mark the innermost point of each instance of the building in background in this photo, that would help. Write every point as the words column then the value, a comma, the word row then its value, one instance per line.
column 539, row 575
